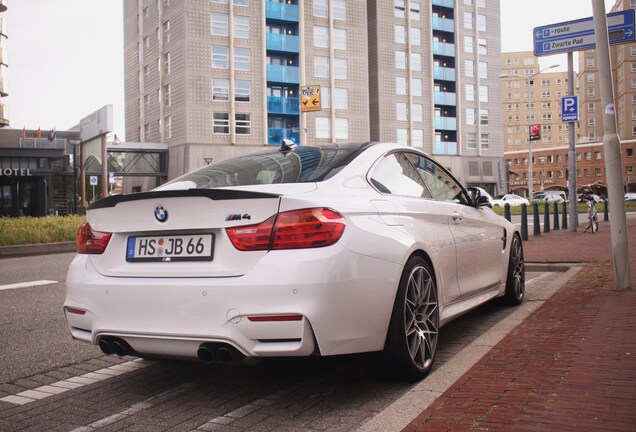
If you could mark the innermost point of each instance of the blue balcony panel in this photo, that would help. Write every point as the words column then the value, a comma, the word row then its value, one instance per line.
column 283, row 105
column 281, row 11
column 283, row 74
column 444, row 24
column 444, row 3
column 445, row 98
column 283, row 43
column 444, row 49
column 443, row 73
column 275, row 135
column 446, row 123
column 445, row 148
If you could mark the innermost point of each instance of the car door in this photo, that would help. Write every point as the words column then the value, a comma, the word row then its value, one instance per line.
column 477, row 235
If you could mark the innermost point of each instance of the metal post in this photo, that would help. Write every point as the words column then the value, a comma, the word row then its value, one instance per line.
column 606, row 210
column 556, row 216
column 507, row 212
column 524, row 222
column 612, row 150
column 104, row 168
column 74, row 179
column 537, row 224
column 574, row 217
column 564, row 218
column 530, row 120
column 546, row 217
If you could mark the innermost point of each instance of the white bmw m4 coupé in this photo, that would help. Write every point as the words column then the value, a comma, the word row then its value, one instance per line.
column 293, row 251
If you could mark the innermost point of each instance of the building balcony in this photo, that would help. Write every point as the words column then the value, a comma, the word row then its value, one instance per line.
column 445, row 123
column 283, row 43
column 283, row 105
column 444, row 3
column 444, row 49
column 281, row 11
column 283, row 74
column 444, row 24
column 445, row 148
column 443, row 73
column 445, row 98
column 275, row 135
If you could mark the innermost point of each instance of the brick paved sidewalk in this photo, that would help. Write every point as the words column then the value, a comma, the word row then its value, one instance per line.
column 570, row 366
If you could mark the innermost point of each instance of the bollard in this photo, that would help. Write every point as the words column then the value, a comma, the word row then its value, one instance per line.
column 546, row 217
column 605, row 210
column 524, row 222
column 537, row 225
column 564, row 219
column 556, row 216
column 507, row 212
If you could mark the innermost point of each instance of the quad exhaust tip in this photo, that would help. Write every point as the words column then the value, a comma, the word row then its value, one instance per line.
column 113, row 345
column 212, row 352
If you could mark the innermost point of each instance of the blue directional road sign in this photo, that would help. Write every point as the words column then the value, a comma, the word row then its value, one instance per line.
column 570, row 108
column 579, row 35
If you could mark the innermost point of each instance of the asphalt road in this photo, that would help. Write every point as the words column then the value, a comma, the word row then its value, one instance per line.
column 333, row 394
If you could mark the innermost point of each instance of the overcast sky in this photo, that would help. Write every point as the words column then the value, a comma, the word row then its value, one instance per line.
column 66, row 56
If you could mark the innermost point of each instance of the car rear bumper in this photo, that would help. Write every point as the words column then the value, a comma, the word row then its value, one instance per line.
column 341, row 303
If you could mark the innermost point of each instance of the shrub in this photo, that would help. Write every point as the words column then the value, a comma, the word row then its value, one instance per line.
column 32, row 230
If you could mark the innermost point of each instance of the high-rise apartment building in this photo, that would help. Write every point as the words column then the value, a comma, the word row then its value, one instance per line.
column 217, row 78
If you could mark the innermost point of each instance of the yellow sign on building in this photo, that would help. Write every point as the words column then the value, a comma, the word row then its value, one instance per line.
column 310, row 98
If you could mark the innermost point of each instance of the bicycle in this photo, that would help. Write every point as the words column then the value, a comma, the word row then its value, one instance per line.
column 592, row 217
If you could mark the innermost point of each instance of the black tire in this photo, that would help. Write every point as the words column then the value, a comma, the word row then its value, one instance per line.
column 594, row 223
column 411, row 341
column 516, row 279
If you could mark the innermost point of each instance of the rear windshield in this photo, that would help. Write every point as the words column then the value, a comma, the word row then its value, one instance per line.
column 303, row 165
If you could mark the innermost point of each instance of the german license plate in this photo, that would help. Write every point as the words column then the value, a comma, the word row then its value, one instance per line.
column 196, row 247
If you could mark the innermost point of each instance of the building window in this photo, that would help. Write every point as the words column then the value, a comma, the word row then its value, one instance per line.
column 167, row 99
column 629, row 170
column 590, row 92
column 340, row 39
column 342, row 128
column 598, row 172
column 166, row 63
column 321, row 67
column 167, row 127
column 243, row 124
column 241, row 27
column 320, row 8
column 591, row 107
column 399, row 9
column 321, row 37
column 485, row 141
column 597, row 155
column 339, row 9
column 400, row 34
column 400, row 86
column 468, row 20
column 483, row 70
column 242, row 91
column 417, row 138
column 483, row 48
column 415, row 36
column 629, row 152
column 483, row 93
column 470, row 92
column 416, row 110
column 341, row 98
column 481, row 22
column 483, row 117
column 589, row 62
column 340, row 68
column 146, row 101
column 470, row 116
column 469, row 44
column 403, row 136
column 416, row 61
column 242, row 59
column 591, row 121
column 146, row 42
column 323, row 128
column 590, row 77
column 325, row 97
column 400, row 60
column 401, row 111
column 221, row 123
column 471, row 140
column 219, row 24
column 166, row 32
column 416, row 87
column 220, row 57
column 469, row 68
column 220, row 90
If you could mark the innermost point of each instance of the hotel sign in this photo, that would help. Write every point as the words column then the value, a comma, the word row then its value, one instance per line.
column 17, row 172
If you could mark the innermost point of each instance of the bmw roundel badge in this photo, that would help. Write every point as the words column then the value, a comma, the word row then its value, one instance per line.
column 161, row 214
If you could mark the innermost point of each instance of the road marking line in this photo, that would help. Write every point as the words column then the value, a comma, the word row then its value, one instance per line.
column 26, row 284
column 45, row 391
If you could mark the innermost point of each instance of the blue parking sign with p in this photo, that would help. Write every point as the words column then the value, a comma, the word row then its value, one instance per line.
column 570, row 108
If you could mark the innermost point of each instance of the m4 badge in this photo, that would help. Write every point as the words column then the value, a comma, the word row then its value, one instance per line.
column 238, row 217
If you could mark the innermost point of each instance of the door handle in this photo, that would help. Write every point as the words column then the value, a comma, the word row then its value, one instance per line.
column 457, row 216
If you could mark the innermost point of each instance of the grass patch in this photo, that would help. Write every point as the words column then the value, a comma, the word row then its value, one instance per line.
column 580, row 208
column 32, row 230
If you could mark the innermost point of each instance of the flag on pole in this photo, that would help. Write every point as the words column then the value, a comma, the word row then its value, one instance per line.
column 23, row 132
column 37, row 133
column 52, row 135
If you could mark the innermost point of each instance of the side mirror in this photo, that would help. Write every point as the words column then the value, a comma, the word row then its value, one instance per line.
column 482, row 201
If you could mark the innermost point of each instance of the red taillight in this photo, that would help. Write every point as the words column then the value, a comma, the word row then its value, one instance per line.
column 298, row 229
column 275, row 318
column 75, row 311
column 90, row 241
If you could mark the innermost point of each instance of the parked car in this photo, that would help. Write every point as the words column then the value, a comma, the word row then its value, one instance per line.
column 550, row 196
column 296, row 251
column 630, row 196
column 512, row 199
column 583, row 198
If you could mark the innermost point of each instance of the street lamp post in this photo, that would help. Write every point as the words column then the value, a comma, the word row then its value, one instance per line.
column 74, row 143
column 528, row 80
